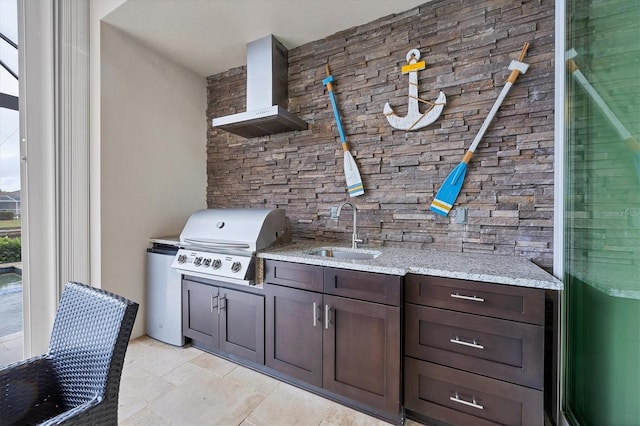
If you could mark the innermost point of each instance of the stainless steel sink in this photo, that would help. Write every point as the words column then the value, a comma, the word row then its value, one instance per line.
column 345, row 253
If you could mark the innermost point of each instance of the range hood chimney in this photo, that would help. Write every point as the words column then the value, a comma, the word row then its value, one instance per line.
column 266, row 94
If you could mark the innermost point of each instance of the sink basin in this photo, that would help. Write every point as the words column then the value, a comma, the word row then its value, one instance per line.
column 345, row 253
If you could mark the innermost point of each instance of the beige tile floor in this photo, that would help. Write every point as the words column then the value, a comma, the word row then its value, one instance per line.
column 166, row 385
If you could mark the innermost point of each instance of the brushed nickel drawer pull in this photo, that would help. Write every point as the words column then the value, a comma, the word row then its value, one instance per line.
column 471, row 298
column 315, row 314
column 462, row 401
column 473, row 344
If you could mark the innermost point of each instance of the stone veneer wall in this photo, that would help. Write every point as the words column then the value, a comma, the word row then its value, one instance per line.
column 468, row 46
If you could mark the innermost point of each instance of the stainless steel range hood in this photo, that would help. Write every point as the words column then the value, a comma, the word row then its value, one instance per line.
column 266, row 94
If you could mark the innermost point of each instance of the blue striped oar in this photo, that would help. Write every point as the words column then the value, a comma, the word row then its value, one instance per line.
column 351, row 173
column 620, row 129
column 450, row 189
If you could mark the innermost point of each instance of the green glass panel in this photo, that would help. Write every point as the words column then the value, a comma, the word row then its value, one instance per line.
column 602, row 212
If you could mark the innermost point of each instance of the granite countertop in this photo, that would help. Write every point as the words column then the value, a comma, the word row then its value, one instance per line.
column 490, row 268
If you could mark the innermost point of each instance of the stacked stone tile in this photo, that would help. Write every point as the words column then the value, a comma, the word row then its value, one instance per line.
column 508, row 190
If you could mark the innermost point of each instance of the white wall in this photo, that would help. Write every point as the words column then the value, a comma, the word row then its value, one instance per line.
column 152, row 158
column 98, row 9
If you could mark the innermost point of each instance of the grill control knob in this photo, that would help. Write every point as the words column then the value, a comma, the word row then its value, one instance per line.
column 206, row 262
column 216, row 263
column 197, row 261
column 182, row 258
column 235, row 266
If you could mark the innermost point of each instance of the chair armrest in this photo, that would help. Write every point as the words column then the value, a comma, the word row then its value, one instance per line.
column 91, row 412
column 21, row 371
column 29, row 361
column 25, row 385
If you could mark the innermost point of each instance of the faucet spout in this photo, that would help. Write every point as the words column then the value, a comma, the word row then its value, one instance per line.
column 354, row 237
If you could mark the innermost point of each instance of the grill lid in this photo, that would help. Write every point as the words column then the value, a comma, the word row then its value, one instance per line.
column 233, row 230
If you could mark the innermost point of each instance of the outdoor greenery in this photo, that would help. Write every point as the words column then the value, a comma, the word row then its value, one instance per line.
column 10, row 224
column 10, row 249
column 6, row 215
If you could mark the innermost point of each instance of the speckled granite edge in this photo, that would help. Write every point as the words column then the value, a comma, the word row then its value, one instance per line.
column 489, row 268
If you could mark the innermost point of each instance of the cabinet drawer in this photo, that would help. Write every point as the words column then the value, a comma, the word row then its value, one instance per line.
column 493, row 300
column 296, row 275
column 505, row 350
column 367, row 286
column 462, row 398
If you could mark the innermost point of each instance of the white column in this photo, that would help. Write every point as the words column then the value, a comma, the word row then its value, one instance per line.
column 54, row 129
column 71, row 61
column 38, row 181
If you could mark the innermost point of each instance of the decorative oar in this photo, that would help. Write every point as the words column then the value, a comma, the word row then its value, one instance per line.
column 351, row 173
column 450, row 189
column 620, row 129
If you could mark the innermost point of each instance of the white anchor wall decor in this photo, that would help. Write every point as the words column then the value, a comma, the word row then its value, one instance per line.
column 414, row 119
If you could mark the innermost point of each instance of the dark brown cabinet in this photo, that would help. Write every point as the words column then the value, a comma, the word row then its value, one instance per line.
column 461, row 398
column 361, row 352
column 294, row 333
column 343, row 337
column 200, row 313
column 474, row 352
column 223, row 319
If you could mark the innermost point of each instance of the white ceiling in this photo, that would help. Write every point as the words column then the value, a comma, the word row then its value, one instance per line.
column 210, row 36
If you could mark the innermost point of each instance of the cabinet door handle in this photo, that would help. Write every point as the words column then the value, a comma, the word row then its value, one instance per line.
column 471, row 298
column 473, row 402
column 473, row 344
column 326, row 317
column 315, row 314
column 222, row 299
column 213, row 296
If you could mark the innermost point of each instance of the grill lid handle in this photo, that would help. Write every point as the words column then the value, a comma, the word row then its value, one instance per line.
column 215, row 243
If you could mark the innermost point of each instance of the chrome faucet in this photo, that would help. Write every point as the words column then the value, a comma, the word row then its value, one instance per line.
column 354, row 237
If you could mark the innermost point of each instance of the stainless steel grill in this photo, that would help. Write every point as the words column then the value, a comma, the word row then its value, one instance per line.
column 220, row 244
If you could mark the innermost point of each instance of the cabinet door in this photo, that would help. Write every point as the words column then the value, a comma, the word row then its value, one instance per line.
column 294, row 333
column 361, row 347
column 242, row 324
column 199, row 313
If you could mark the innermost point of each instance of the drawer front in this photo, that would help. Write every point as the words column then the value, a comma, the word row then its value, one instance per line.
column 367, row 286
column 493, row 300
column 296, row 275
column 458, row 397
column 505, row 350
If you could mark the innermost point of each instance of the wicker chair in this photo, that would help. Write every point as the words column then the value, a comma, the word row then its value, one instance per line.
column 77, row 381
